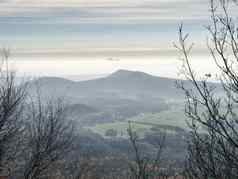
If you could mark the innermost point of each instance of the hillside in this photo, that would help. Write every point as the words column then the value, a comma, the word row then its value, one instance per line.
column 134, row 82
column 122, row 84
column 117, row 97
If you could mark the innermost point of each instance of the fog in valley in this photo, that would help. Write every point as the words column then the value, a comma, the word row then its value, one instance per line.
column 109, row 89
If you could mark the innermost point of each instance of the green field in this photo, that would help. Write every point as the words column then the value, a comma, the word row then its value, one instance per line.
column 143, row 123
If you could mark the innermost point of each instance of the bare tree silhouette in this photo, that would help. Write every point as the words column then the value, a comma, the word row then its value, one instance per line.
column 144, row 167
column 213, row 146
column 48, row 138
column 12, row 98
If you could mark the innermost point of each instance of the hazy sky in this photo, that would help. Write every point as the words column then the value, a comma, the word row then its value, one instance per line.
column 56, row 32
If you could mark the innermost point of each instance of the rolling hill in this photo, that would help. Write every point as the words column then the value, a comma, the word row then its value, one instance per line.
column 122, row 84
column 117, row 97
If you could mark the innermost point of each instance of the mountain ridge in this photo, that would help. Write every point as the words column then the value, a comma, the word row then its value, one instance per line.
column 118, row 73
column 122, row 84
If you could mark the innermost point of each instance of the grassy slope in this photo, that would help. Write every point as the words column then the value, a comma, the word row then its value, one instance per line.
column 172, row 117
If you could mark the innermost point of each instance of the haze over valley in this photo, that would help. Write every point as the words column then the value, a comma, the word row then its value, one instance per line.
column 118, row 89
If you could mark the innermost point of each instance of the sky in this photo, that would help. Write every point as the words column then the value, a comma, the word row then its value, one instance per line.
column 73, row 37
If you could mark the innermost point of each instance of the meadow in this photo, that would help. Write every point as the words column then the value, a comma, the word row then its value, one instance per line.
column 145, row 122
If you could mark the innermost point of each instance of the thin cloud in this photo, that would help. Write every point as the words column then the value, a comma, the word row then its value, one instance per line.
column 98, row 11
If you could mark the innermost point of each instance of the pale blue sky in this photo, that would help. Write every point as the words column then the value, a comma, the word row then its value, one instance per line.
column 98, row 29
column 91, row 23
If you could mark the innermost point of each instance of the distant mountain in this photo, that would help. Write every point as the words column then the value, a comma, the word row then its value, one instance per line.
column 116, row 97
column 127, row 73
column 52, row 82
column 135, row 81
column 122, row 84
column 118, row 89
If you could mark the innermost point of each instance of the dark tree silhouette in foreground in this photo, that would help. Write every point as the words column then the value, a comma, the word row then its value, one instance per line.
column 35, row 134
column 12, row 98
column 49, row 137
column 144, row 167
column 213, row 120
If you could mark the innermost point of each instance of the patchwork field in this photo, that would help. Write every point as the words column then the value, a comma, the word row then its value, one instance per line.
column 144, row 122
